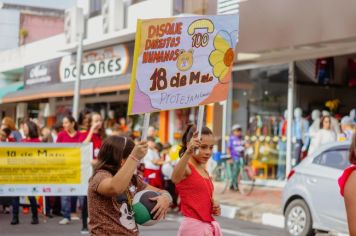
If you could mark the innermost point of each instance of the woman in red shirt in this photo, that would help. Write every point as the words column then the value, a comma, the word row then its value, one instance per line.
column 95, row 134
column 31, row 132
column 347, row 184
column 194, row 185
column 70, row 134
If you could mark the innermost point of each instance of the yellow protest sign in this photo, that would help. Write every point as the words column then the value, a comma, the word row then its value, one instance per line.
column 42, row 169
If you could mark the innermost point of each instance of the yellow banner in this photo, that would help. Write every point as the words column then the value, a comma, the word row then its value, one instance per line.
column 40, row 165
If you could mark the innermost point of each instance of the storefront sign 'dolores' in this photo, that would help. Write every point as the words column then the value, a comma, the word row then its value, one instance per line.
column 106, row 62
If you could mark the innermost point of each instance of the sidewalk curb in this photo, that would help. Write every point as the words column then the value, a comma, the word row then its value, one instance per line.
column 229, row 211
column 271, row 219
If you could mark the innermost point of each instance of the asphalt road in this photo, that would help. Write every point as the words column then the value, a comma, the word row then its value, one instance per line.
column 166, row 228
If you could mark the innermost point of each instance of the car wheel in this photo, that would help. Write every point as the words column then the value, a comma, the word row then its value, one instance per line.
column 298, row 220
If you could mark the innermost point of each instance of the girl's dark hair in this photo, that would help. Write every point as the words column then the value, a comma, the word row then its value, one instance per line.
column 46, row 139
column 101, row 130
column 71, row 120
column 114, row 150
column 82, row 115
column 33, row 129
column 353, row 150
column 322, row 121
column 188, row 134
column 159, row 147
column 57, row 127
column 7, row 131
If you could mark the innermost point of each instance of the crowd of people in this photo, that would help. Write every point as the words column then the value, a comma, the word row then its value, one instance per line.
column 145, row 164
column 155, row 168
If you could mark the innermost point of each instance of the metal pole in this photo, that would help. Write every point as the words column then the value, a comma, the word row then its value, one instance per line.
column 76, row 98
column 223, row 133
column 229, row 102
column 146, row 125
column 290, row 117
column 200, row 123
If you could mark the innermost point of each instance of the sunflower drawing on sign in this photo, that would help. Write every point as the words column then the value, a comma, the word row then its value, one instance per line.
column 222, row 57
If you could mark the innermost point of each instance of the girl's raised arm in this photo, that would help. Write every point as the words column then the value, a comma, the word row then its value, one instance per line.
column 181, row 170
column 120, row 181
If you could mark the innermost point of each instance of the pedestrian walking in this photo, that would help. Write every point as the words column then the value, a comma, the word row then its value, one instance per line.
column 194, row 185
column 324, row 135
column 70, row 134
column 46, row 137
column 236, row 148
column 113, row 186
column 31, row 131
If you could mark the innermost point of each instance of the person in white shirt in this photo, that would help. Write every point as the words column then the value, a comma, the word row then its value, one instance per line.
column 152, row 161
column 324, row 136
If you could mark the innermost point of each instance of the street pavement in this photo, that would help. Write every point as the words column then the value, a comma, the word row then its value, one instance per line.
column 166, row 228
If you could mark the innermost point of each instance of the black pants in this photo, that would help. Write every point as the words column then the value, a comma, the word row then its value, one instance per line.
column 73, row 202
column 84, row 205
column 16, row 206
column 57, row 206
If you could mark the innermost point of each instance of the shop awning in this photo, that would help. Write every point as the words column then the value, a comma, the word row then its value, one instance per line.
column 7, row 89
column 90, row 86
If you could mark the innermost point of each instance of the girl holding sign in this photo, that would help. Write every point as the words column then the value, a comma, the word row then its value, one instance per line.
column 113, row 186
column 194, row 185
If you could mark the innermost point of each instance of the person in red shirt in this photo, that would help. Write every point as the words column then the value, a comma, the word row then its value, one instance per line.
column 83, row 120
column 31, row 136
column 69, row 134
column 95, row 134
column 194, row 185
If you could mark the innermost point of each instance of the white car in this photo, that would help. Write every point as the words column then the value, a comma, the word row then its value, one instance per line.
column 311, row 197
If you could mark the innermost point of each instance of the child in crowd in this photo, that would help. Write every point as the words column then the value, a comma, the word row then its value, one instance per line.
column 113, row 186
column 152, row 162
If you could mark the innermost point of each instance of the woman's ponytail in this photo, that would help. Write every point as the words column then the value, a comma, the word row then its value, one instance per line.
column 188, row 134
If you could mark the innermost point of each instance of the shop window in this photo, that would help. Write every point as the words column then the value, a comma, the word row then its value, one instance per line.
column 107, row 94
column 258, row 104
column 125, row 92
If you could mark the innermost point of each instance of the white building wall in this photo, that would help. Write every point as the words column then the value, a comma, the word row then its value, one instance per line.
column 32, row 53
column 9, row 29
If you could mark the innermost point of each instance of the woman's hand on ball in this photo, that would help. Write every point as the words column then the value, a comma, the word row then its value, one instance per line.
column 216, row 209
column 140, row 150
column 161, row 207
